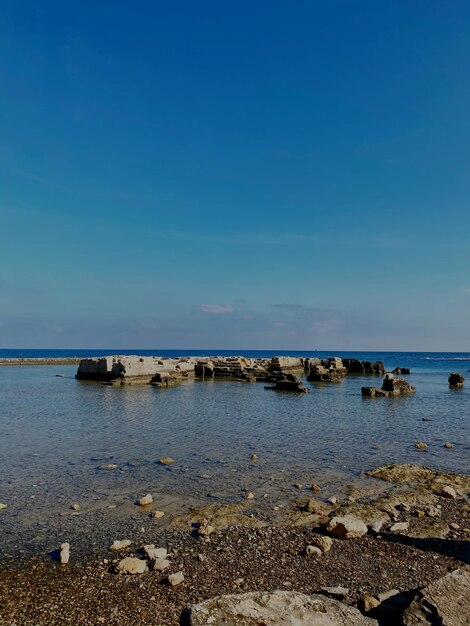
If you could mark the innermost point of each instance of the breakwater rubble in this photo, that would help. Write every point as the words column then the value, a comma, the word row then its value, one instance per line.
column 166, row 372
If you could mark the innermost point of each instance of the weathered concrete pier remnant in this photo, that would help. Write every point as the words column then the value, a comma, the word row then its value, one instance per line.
column 134, row 369
column 355, row 366
column 328, row 371
column 391, row 386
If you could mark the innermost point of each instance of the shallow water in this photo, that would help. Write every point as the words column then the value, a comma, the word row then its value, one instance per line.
column 55, row 433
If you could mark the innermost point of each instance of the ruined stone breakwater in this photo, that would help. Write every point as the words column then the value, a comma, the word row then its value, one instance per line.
column 166, row 372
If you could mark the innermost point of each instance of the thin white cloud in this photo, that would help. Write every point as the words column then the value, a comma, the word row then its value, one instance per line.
column 215, row 309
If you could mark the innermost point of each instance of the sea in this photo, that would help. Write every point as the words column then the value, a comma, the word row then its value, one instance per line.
column 56, row 432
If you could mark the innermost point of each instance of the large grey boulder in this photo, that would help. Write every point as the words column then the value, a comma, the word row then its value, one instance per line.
column 286, row 608
column 445, row 602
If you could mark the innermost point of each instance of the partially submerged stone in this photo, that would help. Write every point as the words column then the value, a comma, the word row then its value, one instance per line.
column 433, row 479
column 456, row 379
column 166, row 460
column 278, row 608
column 146, row 500
column 109, row 466
column 157, row 514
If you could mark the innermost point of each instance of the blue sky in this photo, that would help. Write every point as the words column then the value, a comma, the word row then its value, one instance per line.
column 235, row 175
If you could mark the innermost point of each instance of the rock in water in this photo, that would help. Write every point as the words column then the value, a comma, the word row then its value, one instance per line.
column 146, row 500
column 286, row 608
column 456, row 379
column 131, row 565
column 346, row 527
column 2, row 506
column 166, row 460
column 445, row 602
column 64, row 553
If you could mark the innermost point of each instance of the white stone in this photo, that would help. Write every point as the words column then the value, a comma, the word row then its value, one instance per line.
column 155, row 553
column 313, row 551
column 346, row 527
column 131, row 565
column 249, row 495
column 120, row 544
column 399, row 527
column 146, row 500
column 278, row 608
column 160, row 564
column 376, row 527
column 64, row 553
column 449, row 492
column 157, row 514
column 2, row 506
column 176, row 579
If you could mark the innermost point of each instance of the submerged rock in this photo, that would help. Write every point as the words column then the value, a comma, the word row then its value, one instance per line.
column 286, row 608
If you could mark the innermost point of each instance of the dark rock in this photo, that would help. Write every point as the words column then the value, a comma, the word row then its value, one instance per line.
column 355, row 366
column 401, row 370
column 456, row 379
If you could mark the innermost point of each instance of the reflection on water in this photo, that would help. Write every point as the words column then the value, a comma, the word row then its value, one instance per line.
column 56, row 432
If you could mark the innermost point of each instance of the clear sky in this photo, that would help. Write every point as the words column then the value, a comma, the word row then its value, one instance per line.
column 263, row 174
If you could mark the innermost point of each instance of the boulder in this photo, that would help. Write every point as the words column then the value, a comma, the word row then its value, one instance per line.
column 355, row 366
column 445, row 602
column 346, row 527
column 397, row 386
column 131, row 565
column 456, row 379
column 401, row 370
column 286, row 608
column 373, row 392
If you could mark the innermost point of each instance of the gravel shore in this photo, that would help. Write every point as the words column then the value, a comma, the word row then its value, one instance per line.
column 232, row 560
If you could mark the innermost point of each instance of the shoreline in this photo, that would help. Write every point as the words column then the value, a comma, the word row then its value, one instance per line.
column 245, row 552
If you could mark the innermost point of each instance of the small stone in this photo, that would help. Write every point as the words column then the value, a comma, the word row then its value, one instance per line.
column 313, row 551
column 386, row 595
column 238, row 581
column 432, row 511
column 157, row 514
column 155, row 553
column 448, row 445
column 454, row 526
column 201, row 557
column 131, row 565
column 298, row 486
column 254, row 457
column 332, row 500
column 376, row 527
column 160, row 564
column 2, row 506
column 166, row 460
column 403, row 507
column 249, row 495
column 369, row 603
column 421, row 445
column 315, row 488
column 146, row 500
column 176, row 579
column 75, row 507
column 336, row 592
column 399, row 527
column 449, row 492
column 419, row 513
column 64, row 553
column 346, row 527
column 120, row 544
column 109, row 466
column 322, row 542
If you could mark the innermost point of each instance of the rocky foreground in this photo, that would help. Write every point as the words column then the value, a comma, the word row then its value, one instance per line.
column 401, row 557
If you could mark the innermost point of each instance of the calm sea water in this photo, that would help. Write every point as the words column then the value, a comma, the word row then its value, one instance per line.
column 56, row 431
